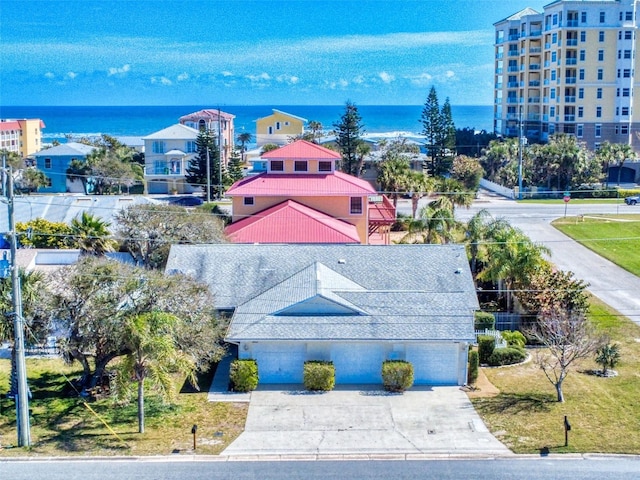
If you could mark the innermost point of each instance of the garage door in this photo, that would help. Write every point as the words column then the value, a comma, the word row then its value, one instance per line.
column 358, row 362
column 279, row 363
column 434, row 364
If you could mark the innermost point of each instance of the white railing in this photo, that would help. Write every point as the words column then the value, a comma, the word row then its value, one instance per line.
column 497, row 337
column 496, row 188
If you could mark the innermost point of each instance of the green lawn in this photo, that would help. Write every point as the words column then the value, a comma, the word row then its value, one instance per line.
column 615, row 237
column 604, row 412
column 62, row 424
column 573, row 201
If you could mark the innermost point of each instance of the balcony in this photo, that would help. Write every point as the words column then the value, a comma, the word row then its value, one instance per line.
column 512, row 100
column 572, row 23
column 570, row 80
column 533, row 117
column 512, row 85
column 545, row 118
column 513, row 53
column 570, row 98
column 571, row 61
column 572, row 42
column 569, row 118
column 498, row 71
column 514, row 37
column 534, row 83
column 536, row 33
column 499, row 55
column 546, row 81
column 498, row 86
column 533, row 100
column 512, row 68
column 534, row 66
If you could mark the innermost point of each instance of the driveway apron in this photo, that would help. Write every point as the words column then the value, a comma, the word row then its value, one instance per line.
column 363, row 420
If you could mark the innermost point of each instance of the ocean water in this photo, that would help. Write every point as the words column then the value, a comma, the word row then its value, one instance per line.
column 144, row 120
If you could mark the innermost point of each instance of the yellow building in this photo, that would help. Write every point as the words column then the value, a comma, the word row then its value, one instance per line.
column 278, row 128
column 22, row 136
column 568, row 69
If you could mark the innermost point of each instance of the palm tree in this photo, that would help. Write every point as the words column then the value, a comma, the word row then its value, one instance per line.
column 477, row 228
column 392, row 177
column 316, row 130
column 435, row 223
column 608, row 356
column 418, row 184
column 244, row 138
column 92, row 235
column 154, row 356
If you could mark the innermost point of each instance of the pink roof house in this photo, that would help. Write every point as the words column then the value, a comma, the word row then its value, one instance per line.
column 301, row 198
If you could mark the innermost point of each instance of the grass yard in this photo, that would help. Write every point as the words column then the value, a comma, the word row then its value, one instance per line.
column 615, row 237
column 63, row 425
column 604, row 412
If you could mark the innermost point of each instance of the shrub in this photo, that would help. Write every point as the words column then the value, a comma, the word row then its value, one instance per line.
column 486, row 345
column 319, row 375
column 472, row 374
column 506, row 356
column 484, row 321
column 397, row 375
column 243, row 375
column 514, row 339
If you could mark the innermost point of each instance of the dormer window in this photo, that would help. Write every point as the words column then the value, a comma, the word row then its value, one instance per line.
column 300, row 166
column 277, row 166
column 324, row 166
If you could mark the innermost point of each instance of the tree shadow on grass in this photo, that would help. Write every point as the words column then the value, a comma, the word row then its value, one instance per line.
column 516, row 403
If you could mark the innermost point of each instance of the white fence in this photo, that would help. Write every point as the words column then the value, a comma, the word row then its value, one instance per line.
column 497, row 336
column 495, row 188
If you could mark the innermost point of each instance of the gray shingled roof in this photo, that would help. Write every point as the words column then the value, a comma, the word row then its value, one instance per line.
column 365, row 292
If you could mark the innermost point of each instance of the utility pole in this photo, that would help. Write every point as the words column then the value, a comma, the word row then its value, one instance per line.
column 219, row 158
column 520, row 148
column 208, row 174
column 21, row 398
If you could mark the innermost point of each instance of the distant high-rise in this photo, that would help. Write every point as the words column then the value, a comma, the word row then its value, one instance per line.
column 570, row 69
column 22, row 136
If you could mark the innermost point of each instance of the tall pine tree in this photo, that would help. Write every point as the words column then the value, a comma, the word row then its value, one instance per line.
column 197, row 169
column 432, row 129
column 348, row 132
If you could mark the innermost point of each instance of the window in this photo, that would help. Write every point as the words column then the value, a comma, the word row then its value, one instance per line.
column 579, row 131
column 158, row 146
column 300, row 166
column 580, row 112
column 277, row 166
column 286, row 124
column 555, row 20
column 601, row 36
column 554, row 38
column 627, row 54
column 581, row 93
column 625, row 111
column 583, row 54
column 324, row 166
column 355, row 206
column 583, row 36
column 600, row 74
column 270, row 130
column 628, row 35
column 598, row 112
column 48, row 182
column 626, row 73
column 602, row 17
column 583, row 17
column 249, row 201
column 553, row 56
column 277, row 125
column 552, row 111
column 598, row 130
column 599, row 93
column 47, row 163
column 626, row 92
column 628, row 16
column 553, row 93
column 600, row 55
column 581, row 73
column 190, row 146
column 553, row 75
column 624, row 129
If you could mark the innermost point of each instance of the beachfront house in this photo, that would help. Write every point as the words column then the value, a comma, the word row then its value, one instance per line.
column 21, row 135
column 55, row 161
column 302, row 198
column 167, row 156
column 278, row 128
column 219, row 124
column 353, row 305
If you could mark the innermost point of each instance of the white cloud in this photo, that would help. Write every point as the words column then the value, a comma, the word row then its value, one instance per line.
column 289, row 79
column 49, row 75
column 227, row 73
column 358, row 80
column 386, row 77
column 422, row 80
column 119, row 70
column 262, row 77
column 450, row 74
column 161, row 80
column 182, row 77
column 71, row 75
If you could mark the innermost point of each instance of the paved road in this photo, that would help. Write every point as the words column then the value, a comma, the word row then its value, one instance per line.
column 524, row 468
column 612, row 284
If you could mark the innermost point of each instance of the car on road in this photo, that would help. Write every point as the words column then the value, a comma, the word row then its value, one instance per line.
column 189, row 201
column 632, row 200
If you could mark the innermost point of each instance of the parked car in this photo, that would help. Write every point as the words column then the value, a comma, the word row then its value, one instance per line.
column 190, row 201
column 632, row 200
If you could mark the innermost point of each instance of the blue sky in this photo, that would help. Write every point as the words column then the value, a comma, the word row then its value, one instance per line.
column 243, row 52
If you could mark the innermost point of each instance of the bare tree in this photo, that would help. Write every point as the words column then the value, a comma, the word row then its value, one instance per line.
column 567, row 338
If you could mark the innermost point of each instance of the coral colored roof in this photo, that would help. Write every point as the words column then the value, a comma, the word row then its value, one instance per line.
column 10, row 125
column 291, row 222
column 303, row 185
column 301, row 150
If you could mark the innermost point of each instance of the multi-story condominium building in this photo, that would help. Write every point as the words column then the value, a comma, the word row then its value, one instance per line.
column 569, row 69
column 23, row 136
column 219, row 123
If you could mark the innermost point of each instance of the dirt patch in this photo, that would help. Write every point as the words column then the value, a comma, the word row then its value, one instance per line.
column 482, row 388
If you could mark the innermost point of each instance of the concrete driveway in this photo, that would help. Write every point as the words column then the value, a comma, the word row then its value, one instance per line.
column 363, row 421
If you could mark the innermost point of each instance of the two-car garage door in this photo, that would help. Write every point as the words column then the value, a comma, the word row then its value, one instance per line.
column 358, row 363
